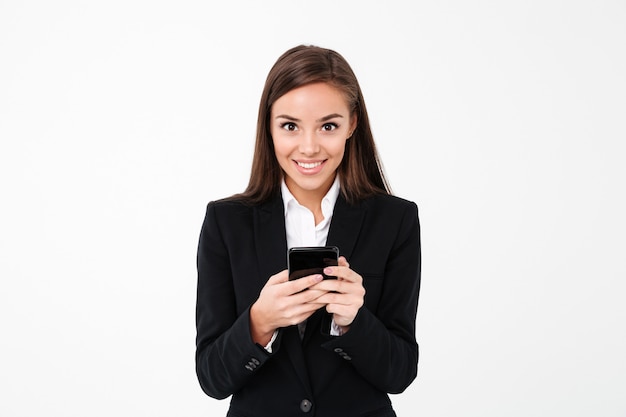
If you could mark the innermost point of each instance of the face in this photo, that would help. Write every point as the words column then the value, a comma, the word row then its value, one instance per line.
column 309, row 127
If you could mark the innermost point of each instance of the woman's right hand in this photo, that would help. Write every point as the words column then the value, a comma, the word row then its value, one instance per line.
column 283, row 303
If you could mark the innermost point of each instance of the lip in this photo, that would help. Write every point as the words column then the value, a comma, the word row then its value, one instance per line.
column 309, row 167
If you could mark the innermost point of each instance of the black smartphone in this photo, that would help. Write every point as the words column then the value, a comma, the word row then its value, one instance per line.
column 309, row 260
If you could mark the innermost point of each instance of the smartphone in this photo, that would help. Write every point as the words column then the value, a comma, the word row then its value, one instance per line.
column 309, row 260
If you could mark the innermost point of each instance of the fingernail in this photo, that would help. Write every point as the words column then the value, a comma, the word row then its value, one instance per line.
column 328, row 271
column 319, row 277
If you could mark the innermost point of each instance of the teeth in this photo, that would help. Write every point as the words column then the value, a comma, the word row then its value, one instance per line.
column 309, row 166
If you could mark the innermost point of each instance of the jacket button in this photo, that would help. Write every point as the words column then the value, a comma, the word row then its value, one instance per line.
column 338, row 350
column 306, row 405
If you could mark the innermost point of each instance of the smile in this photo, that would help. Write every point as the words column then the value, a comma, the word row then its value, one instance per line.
column 309, row 165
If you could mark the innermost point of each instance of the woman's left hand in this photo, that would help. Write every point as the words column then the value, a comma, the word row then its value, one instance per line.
column 346, row 293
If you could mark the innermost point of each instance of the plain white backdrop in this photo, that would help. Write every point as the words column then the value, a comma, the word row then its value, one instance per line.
column 504, row 121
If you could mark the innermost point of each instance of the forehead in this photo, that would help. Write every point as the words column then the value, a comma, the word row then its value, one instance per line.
column 313, row 99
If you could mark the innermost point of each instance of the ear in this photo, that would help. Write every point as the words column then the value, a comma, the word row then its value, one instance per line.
column 353, row 123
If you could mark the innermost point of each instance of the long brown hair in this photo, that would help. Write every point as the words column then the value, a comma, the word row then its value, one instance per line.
column 360, row 172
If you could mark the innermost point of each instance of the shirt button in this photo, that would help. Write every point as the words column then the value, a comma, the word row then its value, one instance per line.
column 306, row 405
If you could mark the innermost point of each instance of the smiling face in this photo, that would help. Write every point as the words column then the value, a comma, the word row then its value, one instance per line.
column 309, row 127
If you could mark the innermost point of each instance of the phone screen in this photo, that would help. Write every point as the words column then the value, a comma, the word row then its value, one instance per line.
column 305, row 261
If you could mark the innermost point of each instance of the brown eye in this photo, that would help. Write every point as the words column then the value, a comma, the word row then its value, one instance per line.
column 329, row 127
column 289, row 126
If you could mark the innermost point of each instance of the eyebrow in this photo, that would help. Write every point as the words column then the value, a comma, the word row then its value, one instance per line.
column 323, row 119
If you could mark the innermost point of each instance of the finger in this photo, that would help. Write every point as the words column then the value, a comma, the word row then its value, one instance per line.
column 303, row 283
column 343, row 315
column 340, row 290
column 336, row 272
column 303, row 312
column 343, row 273
column 339, row 309
column 341, row 303
column 331, row 285
column 337, row 298
column 282, row 276
column 310, row 296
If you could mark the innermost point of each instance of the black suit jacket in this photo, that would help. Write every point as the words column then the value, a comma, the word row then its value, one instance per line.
column 240, row 247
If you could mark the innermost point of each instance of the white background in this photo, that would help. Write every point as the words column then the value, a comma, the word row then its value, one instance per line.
column 504, row 121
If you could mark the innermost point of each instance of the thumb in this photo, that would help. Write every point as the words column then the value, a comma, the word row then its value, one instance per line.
column 282, row 276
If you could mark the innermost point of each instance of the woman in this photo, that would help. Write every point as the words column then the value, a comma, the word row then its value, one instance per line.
column 309, row 346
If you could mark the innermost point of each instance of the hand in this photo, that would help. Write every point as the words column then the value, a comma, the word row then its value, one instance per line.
column 343, row 296
column 283, row 303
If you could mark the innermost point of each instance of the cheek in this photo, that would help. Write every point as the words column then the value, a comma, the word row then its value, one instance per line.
column 282, row 152
column 338, row 149
column 279, row 147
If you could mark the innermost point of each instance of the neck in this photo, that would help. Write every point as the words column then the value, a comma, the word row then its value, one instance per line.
column 311, row 199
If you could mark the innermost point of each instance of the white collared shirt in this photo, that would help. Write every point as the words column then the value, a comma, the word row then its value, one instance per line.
column 300, row 222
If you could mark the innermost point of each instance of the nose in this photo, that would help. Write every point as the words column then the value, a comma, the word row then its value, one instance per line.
column 309, row 143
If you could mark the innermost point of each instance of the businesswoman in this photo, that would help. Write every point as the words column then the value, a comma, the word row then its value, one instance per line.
column 309, row 347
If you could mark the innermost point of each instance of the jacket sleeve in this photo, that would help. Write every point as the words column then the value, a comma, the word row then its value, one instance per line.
column 226, row 356
column 381, row 345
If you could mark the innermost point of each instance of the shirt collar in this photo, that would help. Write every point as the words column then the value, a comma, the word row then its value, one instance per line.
column 328, row 202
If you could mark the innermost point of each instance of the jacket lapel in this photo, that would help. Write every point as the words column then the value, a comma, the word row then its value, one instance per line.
column 270, row 238
column 345, row 226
